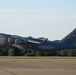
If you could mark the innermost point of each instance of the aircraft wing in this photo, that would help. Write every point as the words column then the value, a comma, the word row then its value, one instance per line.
column 34, row 42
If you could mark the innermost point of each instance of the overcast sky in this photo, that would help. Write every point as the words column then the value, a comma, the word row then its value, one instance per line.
column 52, row 19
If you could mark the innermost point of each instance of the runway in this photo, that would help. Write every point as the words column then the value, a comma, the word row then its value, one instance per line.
column 37, row 66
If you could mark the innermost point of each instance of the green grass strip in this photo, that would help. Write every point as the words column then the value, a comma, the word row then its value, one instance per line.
column 37, row 57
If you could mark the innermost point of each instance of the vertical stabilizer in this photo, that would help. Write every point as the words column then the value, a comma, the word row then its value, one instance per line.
column 70, row 38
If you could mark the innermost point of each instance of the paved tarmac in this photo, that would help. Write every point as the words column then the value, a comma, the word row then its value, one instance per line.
column 37, row 66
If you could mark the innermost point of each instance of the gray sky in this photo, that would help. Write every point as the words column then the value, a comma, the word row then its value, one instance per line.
column 52, row 19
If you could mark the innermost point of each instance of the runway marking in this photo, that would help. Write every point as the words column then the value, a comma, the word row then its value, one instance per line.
column 7, row 71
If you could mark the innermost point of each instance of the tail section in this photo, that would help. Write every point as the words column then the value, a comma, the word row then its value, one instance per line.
column 70, row 38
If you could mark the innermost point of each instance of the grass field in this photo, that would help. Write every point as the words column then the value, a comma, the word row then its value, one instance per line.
column 37, row 57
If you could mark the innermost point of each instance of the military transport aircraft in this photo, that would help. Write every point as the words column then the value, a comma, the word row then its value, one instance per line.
column 66, row 46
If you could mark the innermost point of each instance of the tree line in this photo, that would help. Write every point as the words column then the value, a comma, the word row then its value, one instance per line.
column 13, row 51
